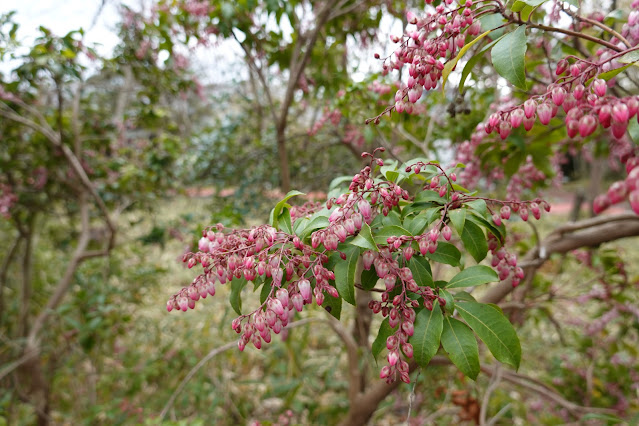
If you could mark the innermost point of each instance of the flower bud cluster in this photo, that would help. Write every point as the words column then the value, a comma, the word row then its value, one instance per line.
column 395, row 303
column 334, row 116
column 622, row 190
column 581, row 94
column 504, row 262
column 433, row 39
column 7, row 200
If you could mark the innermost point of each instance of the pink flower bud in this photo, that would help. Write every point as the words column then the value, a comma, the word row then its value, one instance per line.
column 365, row 208
column 393, row 357
column 634, row 200
column 368, row 257
column 599, row 86
column 447, row 233
column 411, row 18
column 562, row 66
column 587, row 125
column 408, row 253
column 423, row 246
column 619, row 129
column 600, row 203
column 578, row 91
column 620, row 113
column 504, row 129
column 558, row 95
column 497, row 219
column 617, row 192
column 523, row 213
column 544, row 111
column 530, row 106
column 517, row 117
column 305, row 289
column 386, row 370
column 298, row 302
column 407, row 348
column 282, row 296
column 605, row 115
column 408, row 328
column 505, row 212
column 529, row 123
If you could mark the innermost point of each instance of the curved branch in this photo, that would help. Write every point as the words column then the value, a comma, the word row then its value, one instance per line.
column 584, row 233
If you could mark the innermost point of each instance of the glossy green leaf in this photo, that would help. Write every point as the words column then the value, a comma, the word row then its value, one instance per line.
column 450, row 65
column 237, row 284
column 369, row 278
column 416, row 224
column 458, row 218
column 424, row 196
column 609, row 74
column 460, row 344
column 422, row 273
column 474, row 241
column 317, row 222
column 427, row 334
column 508, row 57
column 333, row 305
column 381, row 236
column 266, row 289
column 464, row 295
column 345, row 274
column 284, row 221
column 445, row 253
column 630, row 57
column 479, row 206
column 494, row 329
column 277, row 210
column 379, row 344
column 365, row 239
column 472, row 276
column 449, row 307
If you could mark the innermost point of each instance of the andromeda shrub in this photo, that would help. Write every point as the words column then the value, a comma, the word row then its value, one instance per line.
column 383, row 234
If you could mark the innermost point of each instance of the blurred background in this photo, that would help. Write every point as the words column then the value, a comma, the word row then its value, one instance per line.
column 129, row 126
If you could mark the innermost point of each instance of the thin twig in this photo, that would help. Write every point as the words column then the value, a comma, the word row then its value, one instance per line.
column 494, row 382
column 411, row 397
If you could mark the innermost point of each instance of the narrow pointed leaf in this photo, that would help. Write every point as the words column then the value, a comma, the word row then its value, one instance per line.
column 508, row 57
column 379, row 344
column 236, row 288
column 422, row 273
column 460, row 344
column 474, row 240
column 445, row 253
column 428, row 331
column 472, row 276
column 365, row 239
column 458, row 218
column 494, row 329
column 345, row 274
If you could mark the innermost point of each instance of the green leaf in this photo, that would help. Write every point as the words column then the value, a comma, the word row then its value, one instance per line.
column 633, row 131
column 427, row 334
column 266, row 290
column 449, row 307
column 345, row 274
column 381, row 236
column 498, row 231
column 459, row 343
column 277, row 210
column 472, row 276
column 458, row 218
column 425, row 196
column 494, row 329
column 369, row 278
column 533, row 3
column 284, row 221
column 609, row 74
column 416, row 225
column 630, row 57
column 450, row 65
column 465, row 296
column 365, row 239
column 508, row 57
column 479, row 206
column 317, row 222
column 445, row 253
column 333, row 305
column 236, row 288
column 379, row 344
column 475, row 241
column 422, row 273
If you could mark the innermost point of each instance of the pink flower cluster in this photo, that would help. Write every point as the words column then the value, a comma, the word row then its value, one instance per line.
column 7, row 200
column 436, row 36
column 622, row 190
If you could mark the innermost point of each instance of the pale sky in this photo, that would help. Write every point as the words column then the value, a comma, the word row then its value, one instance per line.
column 62, row 16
